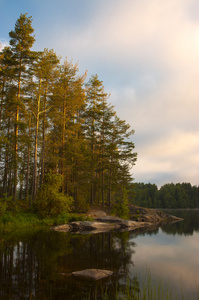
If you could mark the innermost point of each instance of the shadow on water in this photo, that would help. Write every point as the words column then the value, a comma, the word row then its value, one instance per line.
column 188, row 226
column 38, row 265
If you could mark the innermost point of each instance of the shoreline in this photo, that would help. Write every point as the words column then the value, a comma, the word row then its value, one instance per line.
column 144, row 220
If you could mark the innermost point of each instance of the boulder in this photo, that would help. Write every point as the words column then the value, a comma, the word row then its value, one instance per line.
column 92, row 226
column 109, row 219
column 148, row 215
column 62, row 228
column 98, row 227
column 96, row 213
column 95, row 274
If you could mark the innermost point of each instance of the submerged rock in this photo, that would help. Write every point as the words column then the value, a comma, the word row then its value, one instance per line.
column 95, row 274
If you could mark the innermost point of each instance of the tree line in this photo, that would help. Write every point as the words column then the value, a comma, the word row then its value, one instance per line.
column 179, row 195
column 53, row 121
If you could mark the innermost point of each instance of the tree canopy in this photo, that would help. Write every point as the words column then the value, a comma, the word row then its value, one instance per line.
column 53, row 121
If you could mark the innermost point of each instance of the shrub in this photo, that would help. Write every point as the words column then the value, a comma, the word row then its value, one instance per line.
column 3, row 207
column 49, row 201
column 8, row 205
column 122, row 206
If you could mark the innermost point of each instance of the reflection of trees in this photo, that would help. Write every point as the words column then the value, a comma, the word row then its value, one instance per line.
column 27, row 262
column 189, row 224
column 32, row 265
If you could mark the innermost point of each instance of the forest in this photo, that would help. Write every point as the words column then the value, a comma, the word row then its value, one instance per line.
column 170, row 195
column 60, row 137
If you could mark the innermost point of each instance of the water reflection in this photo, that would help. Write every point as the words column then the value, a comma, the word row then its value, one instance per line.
column 188, row 226
column 171, row 254
column 38, row 265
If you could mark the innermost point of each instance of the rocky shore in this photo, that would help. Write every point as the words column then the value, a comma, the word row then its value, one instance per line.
column 141, row 218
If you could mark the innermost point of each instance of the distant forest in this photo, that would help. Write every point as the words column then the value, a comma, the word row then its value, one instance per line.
column 180, row 195
column 55, row 121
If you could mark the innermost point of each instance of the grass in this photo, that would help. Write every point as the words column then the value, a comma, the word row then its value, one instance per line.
column 29, row 219
column 139, row 289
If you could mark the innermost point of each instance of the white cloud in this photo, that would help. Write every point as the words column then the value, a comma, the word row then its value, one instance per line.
column 3, row 43
column 147, row 54
column 173, row 158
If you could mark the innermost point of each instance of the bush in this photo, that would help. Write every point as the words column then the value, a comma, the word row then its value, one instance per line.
column 3, row 207
column 8, row 205
column 122, row 206
column 49, row 201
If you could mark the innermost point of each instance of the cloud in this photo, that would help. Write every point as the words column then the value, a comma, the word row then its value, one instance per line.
column 147, row 54
column 172, row 158
column 3, row 43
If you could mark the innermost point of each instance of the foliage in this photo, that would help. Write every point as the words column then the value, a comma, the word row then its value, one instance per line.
column 52, row 119
column 3, row 207
column 7, row 205
column 179, row 195
column 24, row 220
column 121, row 207
column 49, row 201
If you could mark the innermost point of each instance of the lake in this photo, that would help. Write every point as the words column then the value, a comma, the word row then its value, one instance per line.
column 38, row 264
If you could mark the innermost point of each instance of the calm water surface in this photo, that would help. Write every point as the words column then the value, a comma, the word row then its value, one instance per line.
column 38, row 264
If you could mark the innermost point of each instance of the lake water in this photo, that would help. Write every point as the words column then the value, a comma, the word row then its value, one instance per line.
column 38, row 264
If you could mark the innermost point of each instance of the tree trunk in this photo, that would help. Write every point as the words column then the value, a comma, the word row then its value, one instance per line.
column 16, row 137
column 28, row 165
column 34, row 185
column 5, row 177
column 43, row 139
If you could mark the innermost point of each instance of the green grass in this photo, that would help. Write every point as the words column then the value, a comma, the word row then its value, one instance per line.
column 28, row 219
column 139, row 289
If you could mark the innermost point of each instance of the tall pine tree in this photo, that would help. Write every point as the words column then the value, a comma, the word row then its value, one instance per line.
column 21, row 41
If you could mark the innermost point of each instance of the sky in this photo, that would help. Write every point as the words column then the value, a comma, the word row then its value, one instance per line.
column 146, row 52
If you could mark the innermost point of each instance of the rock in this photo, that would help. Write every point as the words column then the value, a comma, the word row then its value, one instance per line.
column 154, row 216
column 96, row 213
column 62, row 228
column 140, row 218
column 93, row 227
column 109, row 219
column 86, row 227
column 133, row 224
column 95, row 274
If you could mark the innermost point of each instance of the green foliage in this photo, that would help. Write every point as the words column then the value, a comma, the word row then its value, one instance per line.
column 121, row 207
column 51, row 119
column 49, row 201
column 24, row 220
column 8, row 205
column 170, row 195
column 81, row 205
column 3, row 207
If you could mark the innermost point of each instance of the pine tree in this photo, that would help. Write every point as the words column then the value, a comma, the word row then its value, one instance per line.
column 21, row 42
column 43, row 69
column 95, row 96
column 65, row 138
column 52, row 122
column 6, row 114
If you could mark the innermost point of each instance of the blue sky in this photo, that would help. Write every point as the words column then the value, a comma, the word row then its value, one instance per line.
column 146, row 52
